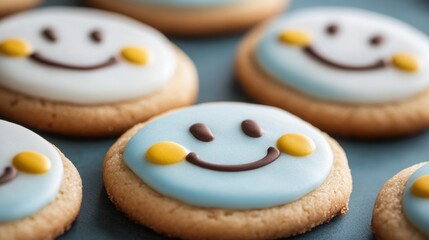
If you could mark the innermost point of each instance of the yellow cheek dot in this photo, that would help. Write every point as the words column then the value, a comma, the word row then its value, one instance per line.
column 15, row 48
column 31, row 162
column 405, row 62
column 420, row 187
column 135, row 55
column 296, row 144
column 295, row 38
column 165, row 153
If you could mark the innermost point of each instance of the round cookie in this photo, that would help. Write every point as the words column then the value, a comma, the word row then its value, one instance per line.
column 10, row 6
column 348, row 71
column 228, row 171
column 196, row 17
column 96, row 80
column 401, row 209
column 37, row 185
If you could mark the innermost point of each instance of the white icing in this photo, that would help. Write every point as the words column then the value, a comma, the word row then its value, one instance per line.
column 27, row 193
column 72, row 26
column 291, row 66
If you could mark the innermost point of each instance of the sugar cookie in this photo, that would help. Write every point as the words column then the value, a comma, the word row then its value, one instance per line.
column 10, row 6
column 215, row 171
column 402, row 207
column 196, row 17
column 97, row 79
column 40, row 189
column 348, row 71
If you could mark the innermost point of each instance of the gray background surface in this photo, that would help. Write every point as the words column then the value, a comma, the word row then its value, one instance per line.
column 372, row 163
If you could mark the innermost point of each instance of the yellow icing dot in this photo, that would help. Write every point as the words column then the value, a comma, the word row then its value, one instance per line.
column 296, row 144
column 420, row 187
column 31, row 162
column 135, row 55
column 14, row 47
column 405, row 62
column 165, row 153
column 295, row 38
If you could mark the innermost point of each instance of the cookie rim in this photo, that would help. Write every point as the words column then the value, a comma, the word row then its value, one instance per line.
column 383, row 226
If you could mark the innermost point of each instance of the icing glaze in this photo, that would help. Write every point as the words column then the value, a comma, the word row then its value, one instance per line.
column 108, row 58
column 345, row 55
column 416, row 208
column 38, row 172
column 233, row 170
column 191, row 3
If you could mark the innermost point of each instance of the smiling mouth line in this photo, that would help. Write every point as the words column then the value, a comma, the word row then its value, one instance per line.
column 8, row 175
column 309, row 50
column 45, row 61
column 272, row 154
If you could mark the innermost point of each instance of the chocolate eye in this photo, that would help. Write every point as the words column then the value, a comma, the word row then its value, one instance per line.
column 332, row 29
column 201, row 132
column 376, row 40
column 251, row 128
column 96, row 36
column 49, row 34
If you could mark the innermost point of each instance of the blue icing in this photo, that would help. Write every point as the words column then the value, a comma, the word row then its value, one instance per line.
column 283, row 181
column 291, row 66
column 189, row 3
column 27, row 193
column 416, row 209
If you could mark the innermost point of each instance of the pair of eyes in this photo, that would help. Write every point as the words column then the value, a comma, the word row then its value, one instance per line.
column 375, row 40
column 50, row 35
column 203, row 133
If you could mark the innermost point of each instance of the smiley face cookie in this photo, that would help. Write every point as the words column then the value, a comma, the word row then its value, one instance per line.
column 402, row 207
column 348, row 71
column 196, row 17
column 11, row 6
column 37, row 185
column 97, row 79
column 228, row 171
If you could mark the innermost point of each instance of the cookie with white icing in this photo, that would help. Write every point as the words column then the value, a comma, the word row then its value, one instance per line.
column 402, row 207
column 348, row 71
column 196, row 17
column 87, row 72
column 11, row 6
column 228, row 171
column 40, row 189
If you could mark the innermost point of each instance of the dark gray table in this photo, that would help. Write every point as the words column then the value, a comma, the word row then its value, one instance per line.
column 372, row 163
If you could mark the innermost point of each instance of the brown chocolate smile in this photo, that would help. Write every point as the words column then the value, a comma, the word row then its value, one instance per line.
column 309, row 50
column 272, row 154
column 43, row 60
column 8, row 175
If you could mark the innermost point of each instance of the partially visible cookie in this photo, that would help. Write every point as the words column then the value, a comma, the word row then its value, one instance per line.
column 402, row 207
column 348, row 71
column 92, row 81
column 228, row 171
column 196, row 17
column 11, row 6
column 40, row 189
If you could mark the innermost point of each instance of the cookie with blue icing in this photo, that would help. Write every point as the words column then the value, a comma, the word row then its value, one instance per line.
column 348, row 71
column 401, row 208
column 215, row 168
column 96, row 80
column 196, row 17
column 37, row 184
